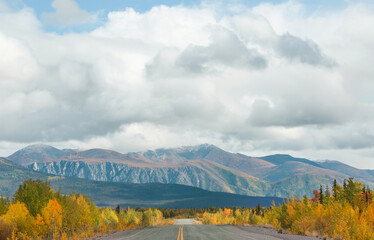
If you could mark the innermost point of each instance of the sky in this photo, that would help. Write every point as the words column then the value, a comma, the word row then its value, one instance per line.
column 256, row 77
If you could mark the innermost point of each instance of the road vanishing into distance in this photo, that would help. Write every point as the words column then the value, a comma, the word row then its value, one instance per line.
column 186, row 229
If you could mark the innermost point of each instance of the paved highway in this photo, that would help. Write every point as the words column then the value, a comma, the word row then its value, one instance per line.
column 185, row 229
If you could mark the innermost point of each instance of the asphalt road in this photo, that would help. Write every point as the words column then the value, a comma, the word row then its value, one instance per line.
column 185, row 229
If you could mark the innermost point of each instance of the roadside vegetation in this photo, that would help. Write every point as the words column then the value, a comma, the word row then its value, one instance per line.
column 342, row 212
column 38, row 212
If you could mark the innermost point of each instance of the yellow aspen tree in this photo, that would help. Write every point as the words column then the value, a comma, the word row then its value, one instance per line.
column 40, row 226
column 52, row 215
column 370, row 214
column 109, row 217
column 238, row 217
column 19, row 217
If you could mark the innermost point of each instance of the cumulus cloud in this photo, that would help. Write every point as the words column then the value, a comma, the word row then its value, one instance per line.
column 14, row 55
column 297, row 49
column 67, row 12
column 225, row 50
column 239, row 80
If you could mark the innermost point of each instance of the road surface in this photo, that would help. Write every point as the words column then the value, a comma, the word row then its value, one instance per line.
column 186, row 229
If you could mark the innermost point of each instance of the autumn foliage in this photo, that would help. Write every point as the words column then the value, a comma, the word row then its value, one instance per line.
column 38, row 212
column 342, row 212
column 345, row 212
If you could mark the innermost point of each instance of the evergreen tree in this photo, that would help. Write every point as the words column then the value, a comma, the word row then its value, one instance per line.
column 35, row 194
column 258, row 209
column 118, row 209
column 335, row 189
column 352, row 190
column 234, row 211
column 305, row 200
column 327, row 192
column 320, row 194
column 367, row 193
column 4, row 204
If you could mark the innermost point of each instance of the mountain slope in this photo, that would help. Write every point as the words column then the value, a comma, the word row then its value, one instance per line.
column 364, row 174
column 181, row 154
column 302, row 184
column 293, row 168
column 274, row 168
column 210, row 152
column 203, row 174
column 128, row 194
column 271, row 168
column 38, row 153
column 12, row 175
column 279, row 159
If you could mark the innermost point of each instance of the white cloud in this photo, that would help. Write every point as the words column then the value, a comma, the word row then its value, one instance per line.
column 67, row 12
column 259, row 80
column 169, row 26
column 16, row 61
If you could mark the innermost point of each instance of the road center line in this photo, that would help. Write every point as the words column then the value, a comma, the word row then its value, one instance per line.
column 179, row 233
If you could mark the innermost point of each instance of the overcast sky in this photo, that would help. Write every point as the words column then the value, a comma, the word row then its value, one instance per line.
column 257, row 77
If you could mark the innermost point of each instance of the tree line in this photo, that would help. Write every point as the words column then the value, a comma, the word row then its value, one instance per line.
column 36, row 211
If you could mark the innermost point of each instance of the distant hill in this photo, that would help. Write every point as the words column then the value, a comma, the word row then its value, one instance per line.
column 364, row 174
column 279, row 159
column 128, row 194
column 12, row 175
column 205, row 166
column 38, row 153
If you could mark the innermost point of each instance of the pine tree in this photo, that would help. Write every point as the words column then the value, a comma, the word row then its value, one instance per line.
column 334, row 189
column 327, row 192
column 352, row 190
column 320, row 194
column 4, row 204
column 118, row 209
column 258, row 209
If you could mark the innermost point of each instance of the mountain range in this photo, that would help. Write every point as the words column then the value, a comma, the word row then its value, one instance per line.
column 203, row 166
column 128, row 194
